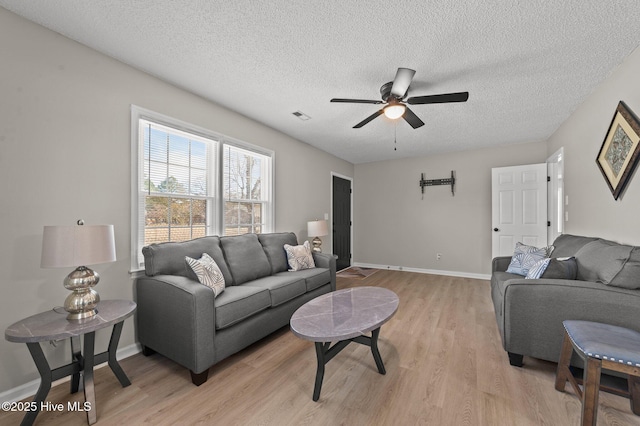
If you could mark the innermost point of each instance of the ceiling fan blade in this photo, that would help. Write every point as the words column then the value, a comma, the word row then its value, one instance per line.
column 439, row 99
column 412, row 119
column 368, row 119
column 401, row 82
column 356, row 101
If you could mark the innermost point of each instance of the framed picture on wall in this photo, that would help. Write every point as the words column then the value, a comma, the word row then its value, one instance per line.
column 619, row 153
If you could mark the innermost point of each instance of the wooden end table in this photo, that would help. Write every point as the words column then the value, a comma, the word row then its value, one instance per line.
column 344, row 316
column 52, row 325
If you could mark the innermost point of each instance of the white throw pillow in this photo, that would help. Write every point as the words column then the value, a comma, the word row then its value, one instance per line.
column 525, row 257
column 208, row 272
column 299, row 257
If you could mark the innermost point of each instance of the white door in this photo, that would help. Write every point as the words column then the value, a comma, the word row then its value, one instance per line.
column 519, row 207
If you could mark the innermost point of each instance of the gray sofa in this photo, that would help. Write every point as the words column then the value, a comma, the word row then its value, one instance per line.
column 179, row 318
column 529, row 312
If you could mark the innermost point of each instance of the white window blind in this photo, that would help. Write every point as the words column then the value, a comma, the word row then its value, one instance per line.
column 178, row 197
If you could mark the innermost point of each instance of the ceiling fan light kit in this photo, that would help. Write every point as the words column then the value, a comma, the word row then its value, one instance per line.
column 394, row 111
column 394, row 93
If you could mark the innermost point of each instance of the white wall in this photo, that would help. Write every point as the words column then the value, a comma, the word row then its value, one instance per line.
column 592, row 209
column 65, row 154
column 394, row 226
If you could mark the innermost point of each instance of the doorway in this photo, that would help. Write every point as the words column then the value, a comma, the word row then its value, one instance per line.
column 556, row 201
column 519, row 207
column 341, row 223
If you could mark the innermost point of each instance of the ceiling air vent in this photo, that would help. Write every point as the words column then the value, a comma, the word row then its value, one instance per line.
column 301, row 115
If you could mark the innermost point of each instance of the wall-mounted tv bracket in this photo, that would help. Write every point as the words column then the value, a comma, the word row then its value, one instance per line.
column 434, row 182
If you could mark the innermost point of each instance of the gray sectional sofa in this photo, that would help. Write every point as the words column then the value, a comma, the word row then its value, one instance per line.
column 179, row 318
column 605, row 288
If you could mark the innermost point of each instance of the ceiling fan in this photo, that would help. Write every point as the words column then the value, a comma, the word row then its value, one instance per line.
column 393, row 94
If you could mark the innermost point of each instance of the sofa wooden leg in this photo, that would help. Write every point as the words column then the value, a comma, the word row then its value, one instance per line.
column 199, row 378
column 147, row 351
column 515, row 359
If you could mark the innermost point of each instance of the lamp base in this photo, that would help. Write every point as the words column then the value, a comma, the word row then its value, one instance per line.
column 317, row 243
column 81, row 303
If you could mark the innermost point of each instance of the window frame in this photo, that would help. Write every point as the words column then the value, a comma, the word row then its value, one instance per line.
column 214, row 177
column 266, row 175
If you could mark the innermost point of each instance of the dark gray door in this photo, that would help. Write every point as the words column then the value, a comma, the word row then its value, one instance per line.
column 342, row 222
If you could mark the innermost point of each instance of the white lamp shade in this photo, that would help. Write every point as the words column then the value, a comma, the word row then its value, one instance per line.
column 317, row 228
column 77, row 245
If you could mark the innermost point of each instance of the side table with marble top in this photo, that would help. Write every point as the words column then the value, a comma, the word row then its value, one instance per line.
column 53, row 325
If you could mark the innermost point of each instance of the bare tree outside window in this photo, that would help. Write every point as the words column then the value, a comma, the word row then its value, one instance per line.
column 243, row 191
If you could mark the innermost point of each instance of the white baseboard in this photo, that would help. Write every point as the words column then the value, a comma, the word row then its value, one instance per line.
column 30, row 388
column 425, row 271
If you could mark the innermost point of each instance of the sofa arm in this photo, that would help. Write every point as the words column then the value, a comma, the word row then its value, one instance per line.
column 176, row 318
column 500, row 263
column 533, row 311
column 324, row 260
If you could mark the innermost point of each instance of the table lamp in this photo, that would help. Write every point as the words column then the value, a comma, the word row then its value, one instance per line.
column 70, row 246
column 317, row 228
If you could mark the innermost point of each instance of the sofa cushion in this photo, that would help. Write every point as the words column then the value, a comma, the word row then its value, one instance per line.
column 601, row 260
column 245, row 257
column 239, row 302
column 313, row 278
column 629, row 276
column 273, row 245
column 299, row 257
column 168, row 258
column 567, row 245
column 524, row 257
column 281, row 288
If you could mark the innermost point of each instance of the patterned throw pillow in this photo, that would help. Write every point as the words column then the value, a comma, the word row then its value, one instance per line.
column 538, row 269
column 524, row 257
column 208, row 273
column 299, row 257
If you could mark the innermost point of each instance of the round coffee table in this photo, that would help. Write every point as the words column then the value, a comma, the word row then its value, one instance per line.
column 344, row 316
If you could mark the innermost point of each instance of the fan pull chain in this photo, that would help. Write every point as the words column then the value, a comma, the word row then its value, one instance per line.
column 395, row 134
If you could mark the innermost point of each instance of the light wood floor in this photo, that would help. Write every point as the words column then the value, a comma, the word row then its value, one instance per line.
column 442, row 352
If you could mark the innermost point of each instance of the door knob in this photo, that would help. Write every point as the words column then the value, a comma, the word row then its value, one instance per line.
column 495, row 229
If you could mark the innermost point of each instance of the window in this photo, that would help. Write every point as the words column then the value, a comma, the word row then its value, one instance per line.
column 189, row 182
column 245, row 193
column 178, row 199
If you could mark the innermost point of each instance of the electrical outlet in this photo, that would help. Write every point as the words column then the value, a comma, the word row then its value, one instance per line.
column 438, row 256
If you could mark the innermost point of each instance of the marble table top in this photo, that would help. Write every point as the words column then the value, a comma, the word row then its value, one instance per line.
column 53, row 325
column 344, row 314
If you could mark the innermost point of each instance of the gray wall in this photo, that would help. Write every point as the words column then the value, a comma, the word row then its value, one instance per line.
column 65, row 154
column 592, row 209
column 395, row 227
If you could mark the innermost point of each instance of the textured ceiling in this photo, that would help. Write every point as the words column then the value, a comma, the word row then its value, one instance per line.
column 526, row 64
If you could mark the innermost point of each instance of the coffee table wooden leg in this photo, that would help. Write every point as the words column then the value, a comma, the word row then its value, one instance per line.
column 375, row 352
column 320, row 351
column 89, row 389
